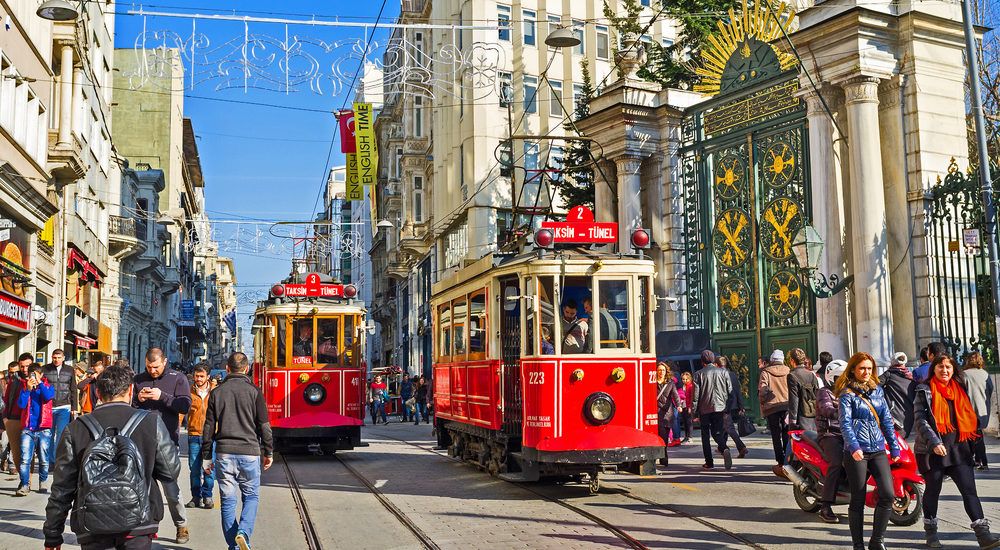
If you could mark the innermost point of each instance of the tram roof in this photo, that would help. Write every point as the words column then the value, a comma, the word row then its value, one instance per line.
column 576, row 261
column 310, row 306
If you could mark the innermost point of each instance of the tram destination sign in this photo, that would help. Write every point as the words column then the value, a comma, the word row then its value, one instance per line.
column 313, row 288
column 580, row 228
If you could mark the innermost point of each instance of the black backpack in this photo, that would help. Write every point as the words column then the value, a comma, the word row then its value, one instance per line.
column 112, row 492
column 808, row 397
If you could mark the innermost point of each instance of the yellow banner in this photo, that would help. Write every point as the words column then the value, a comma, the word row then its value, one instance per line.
column 364, row 138
column 354, row 191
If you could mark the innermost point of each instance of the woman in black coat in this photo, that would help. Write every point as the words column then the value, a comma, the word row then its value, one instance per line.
column 946, row 427
column 667, row 403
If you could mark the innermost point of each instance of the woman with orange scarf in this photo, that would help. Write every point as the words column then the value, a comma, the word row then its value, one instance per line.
column 947, row 427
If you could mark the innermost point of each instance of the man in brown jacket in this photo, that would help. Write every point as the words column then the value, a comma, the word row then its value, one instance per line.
column 773, row 394
column 202, row 482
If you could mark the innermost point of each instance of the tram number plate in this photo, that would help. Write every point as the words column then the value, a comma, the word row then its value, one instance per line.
column 536, row 377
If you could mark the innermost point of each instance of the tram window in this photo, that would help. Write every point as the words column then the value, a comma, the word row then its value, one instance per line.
column 279, row 323
column 326, row 341
column 459, row 310
column 444, row 341
column 575, row 337
column 349, row 335
column 478, row 326
column 645, row 316
column 612, row 313
column 302, row 341
column 547, row 316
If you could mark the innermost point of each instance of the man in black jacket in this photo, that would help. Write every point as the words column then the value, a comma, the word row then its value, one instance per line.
column 900, row 391
column 168, row 393
column 114, row 387
column 64, row 404
column 237, row 422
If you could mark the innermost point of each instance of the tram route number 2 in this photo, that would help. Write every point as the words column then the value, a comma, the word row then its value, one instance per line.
column 536, row 377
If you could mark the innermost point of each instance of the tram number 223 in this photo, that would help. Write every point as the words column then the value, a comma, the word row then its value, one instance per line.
column 536, row 378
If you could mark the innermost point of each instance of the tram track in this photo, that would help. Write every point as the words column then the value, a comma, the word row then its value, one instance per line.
column 622, row 535
column 308, row 527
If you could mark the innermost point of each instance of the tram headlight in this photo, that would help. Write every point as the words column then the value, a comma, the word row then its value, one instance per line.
column 599, row 408
column 314, row 394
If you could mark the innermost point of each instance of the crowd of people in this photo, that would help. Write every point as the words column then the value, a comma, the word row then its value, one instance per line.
column 414, row 399
column 104, row 435
column 855, row 415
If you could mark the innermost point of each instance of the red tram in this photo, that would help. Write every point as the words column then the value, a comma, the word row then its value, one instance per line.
column 544, row 365
column 308, row 342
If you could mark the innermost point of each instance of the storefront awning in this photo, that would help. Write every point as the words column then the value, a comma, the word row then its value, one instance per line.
column 76, row 260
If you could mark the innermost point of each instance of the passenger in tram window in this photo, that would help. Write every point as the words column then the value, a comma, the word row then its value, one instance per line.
column 327, row 348
column 575, row 329
column 547, row 346
column 302, row 346
column 611, row 329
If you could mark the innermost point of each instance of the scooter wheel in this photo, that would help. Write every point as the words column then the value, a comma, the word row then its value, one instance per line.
column 907, row 510
column 806, row 501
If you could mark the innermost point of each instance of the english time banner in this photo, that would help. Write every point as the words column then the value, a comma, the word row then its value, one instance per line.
column 364, row 140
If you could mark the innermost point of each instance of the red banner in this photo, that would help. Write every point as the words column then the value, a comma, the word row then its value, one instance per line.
column 346, row 120
column 14, row 313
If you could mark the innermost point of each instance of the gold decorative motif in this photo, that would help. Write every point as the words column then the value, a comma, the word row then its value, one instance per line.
column 731, row 238
column 782, row 219
column 734, row 300
column 779, row 164
column 775, row 100
column 784, row 294
column 755, row 22
column 729, row 176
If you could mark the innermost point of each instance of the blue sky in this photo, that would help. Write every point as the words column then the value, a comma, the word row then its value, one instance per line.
column 260, row 162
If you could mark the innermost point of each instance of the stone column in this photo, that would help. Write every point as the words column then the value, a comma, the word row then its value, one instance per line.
column 76, row 112
column 629, row 200
column 894, row 174
column 869, row 247
column 828, row 218
column 65, row 94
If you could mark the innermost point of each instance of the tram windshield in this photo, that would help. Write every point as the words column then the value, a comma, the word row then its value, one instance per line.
column 314, row 340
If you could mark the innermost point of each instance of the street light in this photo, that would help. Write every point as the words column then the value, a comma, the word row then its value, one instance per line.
column 57, row 10
column 562, row 37
column 807, row 246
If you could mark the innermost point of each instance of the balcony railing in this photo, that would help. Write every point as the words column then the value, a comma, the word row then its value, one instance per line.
column 413, row 5
column 125, row 227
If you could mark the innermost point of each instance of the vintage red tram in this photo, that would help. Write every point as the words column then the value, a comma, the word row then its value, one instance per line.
column 544, row 365
column 308, row 342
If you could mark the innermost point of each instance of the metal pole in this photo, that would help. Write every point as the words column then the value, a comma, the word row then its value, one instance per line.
column 984, row 160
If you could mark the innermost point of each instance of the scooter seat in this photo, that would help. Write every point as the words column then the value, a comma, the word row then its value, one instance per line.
column 811, row 437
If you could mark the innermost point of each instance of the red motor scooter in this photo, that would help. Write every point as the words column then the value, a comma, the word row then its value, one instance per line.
column 807, row 472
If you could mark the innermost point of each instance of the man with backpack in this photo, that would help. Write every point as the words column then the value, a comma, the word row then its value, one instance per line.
column 133, row 444
column 803, row 392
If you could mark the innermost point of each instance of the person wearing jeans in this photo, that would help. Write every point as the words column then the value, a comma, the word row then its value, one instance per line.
column 712, row 388
column 65, row 402
column 202, row 484
column 772, row 391
column 236, row 422
column 867, row 426
column 35, row 402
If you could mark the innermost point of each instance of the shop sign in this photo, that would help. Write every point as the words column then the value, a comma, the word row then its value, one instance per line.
column 14, row 253
column 15, row 313
column 83, row 343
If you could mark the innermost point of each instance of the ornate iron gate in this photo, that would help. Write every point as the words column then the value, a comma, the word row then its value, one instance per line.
column 746, row 194
column 959, row 265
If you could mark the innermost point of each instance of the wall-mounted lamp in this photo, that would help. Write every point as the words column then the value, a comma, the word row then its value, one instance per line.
column 807, row 246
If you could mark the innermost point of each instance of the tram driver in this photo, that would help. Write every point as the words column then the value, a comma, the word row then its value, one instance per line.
column 575, row 329
column 303, row 344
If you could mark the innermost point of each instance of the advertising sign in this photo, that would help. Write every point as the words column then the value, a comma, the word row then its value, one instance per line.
column 364, row 138
column 187, row 310
column 355, row 192
column 13, row 253
column 582, row 229
column 14, row 313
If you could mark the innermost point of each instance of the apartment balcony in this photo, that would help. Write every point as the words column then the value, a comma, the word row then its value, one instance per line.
column 399, row 264
column 413, row 6
column 80, row 322
column 416, row 239
column 171, row 280
column 65, row 160
column 124, row 238
column 80, row 235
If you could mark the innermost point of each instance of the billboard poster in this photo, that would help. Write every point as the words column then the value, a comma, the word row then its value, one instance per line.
column 355, row 192
column 14, row 254
column 364, row 137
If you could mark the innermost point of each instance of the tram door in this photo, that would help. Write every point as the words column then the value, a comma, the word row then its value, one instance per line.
column 510, row 353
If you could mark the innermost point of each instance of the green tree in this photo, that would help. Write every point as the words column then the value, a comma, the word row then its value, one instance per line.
column 673, row 66
column 575, row 184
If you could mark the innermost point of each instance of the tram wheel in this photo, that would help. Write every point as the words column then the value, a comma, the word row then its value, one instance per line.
column 595, row 483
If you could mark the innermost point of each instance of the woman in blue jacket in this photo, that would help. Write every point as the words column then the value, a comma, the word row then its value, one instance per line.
column 866, row 424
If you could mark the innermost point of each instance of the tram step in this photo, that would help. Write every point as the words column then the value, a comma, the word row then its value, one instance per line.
column 519, row 477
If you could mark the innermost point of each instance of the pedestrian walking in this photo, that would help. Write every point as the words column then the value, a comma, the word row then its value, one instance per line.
column 899, row 388
column 922, row 373
column 947, row 427
column 980, row 390
column 421, row 393
column 685, row 392
column 831, row 440
column 65, row 405
column 378, row 394
column 734, row 408
column 12, row 409
column 236, row 422
column 711, row 393
column 803, row 390
column 667, row 403
column 866, row 424
column 202, row 483
column 405, row 395
column 168, row 393
column 4, row 444
column 772, row 392
column 130, row 448
column 88, row 389
column 35, row 402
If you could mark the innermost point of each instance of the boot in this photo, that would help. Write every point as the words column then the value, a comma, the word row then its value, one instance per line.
column 826, row 514
column 183, row 535
column 987, row 540
column 930, row 532
column 879, row 524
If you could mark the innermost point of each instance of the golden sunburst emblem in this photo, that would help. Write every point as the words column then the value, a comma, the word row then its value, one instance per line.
column 734, row 300
column 755, row 24
column 784, row 294
column 729, row 173
column 779, row 164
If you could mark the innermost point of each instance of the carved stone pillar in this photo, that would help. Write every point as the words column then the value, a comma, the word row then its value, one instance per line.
column 65, row 93
column 629, row 200
column 869, row 247
column 828, row 216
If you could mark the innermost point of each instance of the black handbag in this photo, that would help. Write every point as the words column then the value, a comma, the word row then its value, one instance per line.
column 744, row 426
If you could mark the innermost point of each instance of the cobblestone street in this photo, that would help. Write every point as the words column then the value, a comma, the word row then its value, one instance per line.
column 457, row 506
